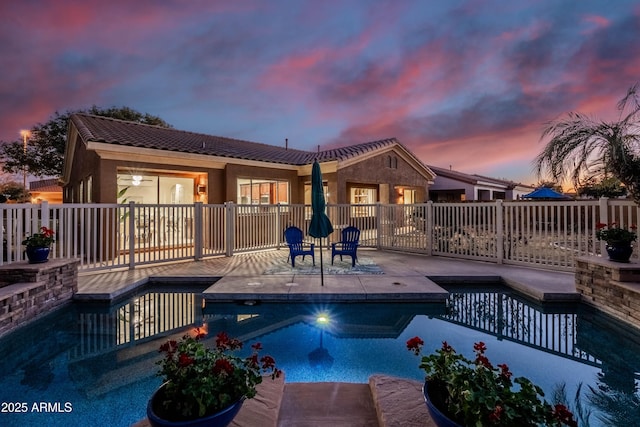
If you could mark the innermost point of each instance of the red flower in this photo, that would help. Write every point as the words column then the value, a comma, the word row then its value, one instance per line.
column 47, row 232
column 480, row 347
column 415, row 344
column 494, row 417
column 481, row 359
column 169, row 347
column 253, row 360
column 184, row 360
column 223, row 365
column 446, row 347
column 257, row 346
column 199, row 334
column 223, row 342
column 564, row 415
column 505, row 370
column 600, row 225
column 268, row 362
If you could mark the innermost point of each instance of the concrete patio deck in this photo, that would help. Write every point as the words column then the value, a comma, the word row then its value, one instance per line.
column 405, row 277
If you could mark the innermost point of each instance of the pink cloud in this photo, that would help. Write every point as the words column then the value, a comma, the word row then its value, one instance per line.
column 596, row 22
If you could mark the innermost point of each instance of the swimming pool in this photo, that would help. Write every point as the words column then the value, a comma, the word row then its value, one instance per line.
column 94, row 364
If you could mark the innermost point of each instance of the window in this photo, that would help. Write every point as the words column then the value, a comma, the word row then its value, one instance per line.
column 408, row 196
column 262, row 192
column 363, row 196
column 153, row 189
column 392, row 162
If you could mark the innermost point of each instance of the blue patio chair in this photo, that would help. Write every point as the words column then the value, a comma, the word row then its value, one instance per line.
column 348, row 245
column 293, row 236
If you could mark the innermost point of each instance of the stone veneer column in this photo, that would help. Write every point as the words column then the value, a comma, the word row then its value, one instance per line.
column 28, row 291
column 611, row 287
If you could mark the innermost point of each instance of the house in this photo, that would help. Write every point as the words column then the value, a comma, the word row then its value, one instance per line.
column 45, row 190
column 454, row 186
column 109, row 160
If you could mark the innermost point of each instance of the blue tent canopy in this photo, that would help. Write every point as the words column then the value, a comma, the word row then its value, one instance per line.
column 544, row 193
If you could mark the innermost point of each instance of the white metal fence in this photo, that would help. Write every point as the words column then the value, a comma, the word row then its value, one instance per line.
column 105, row 236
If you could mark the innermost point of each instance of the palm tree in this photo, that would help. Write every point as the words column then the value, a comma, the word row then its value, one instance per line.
column 582, row 148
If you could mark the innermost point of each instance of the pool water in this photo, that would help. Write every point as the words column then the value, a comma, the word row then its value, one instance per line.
column 94, row 364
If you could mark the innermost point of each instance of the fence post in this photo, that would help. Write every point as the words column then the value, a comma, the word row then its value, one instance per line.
column 428, row 227
column 379, row 227
column 198, row 229
column 132, row 236
column 500, row 231
column 231, row 225
column 603, row 207
column 278, row 233
column 44, row 214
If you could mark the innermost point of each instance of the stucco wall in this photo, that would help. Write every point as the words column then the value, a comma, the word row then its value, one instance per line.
column 375, row 171
column 85, row 164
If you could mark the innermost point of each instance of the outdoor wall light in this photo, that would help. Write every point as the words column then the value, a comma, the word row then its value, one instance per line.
column 136, row 180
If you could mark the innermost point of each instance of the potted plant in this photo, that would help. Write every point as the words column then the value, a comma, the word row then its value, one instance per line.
column 463, row 392
column 618, row 240
column 39, row 245
column 205, row 386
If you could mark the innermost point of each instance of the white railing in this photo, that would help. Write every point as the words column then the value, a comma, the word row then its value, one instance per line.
column 508, row 317
column 105, row 236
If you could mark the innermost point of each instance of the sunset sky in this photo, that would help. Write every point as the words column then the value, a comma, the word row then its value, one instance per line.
column 466, row 84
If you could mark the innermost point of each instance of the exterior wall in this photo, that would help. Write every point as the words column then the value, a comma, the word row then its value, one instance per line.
column 216, row 186
column 375, row 172
column 85, row 163
column 28, row 291
column 451, row 190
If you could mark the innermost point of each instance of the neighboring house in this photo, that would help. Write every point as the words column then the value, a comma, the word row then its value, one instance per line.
column 454, row 186
column 109, row 161
column 45, row 190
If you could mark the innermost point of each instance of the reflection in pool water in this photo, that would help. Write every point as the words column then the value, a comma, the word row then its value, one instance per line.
column 99, row 360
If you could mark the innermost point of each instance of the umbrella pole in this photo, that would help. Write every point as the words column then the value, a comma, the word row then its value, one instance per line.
column 321, row 269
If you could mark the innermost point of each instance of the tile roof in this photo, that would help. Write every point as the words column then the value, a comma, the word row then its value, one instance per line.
column 474, row 178
column 119, row 132
column 449, row 173
column 45, row 185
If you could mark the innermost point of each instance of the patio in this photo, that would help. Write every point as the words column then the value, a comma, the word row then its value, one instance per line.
column 405, row 277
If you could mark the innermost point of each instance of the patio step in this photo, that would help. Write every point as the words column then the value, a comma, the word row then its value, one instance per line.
column 385, row 402
column 399, row 402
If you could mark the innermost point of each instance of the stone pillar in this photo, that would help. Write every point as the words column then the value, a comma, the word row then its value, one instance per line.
column 29, row 291
column 611, row 287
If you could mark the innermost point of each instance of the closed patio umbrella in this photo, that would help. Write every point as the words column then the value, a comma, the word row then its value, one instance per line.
column 320, row 225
